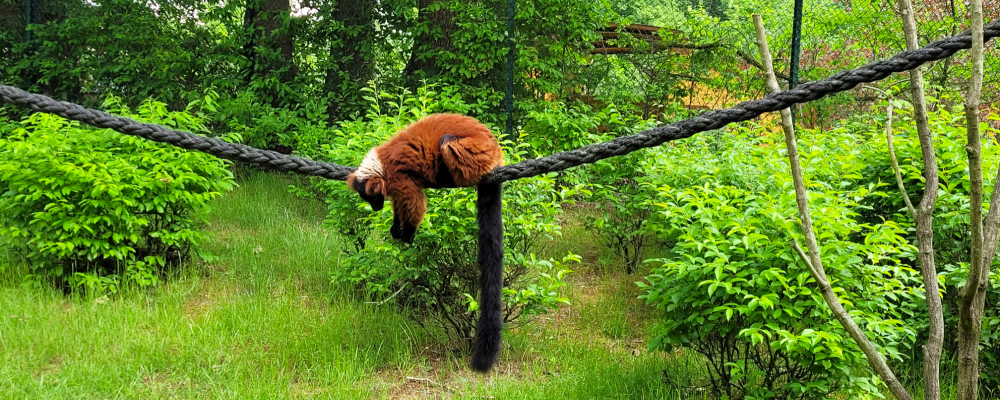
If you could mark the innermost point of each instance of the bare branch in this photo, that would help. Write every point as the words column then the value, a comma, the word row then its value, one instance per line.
column 925, row 218
column 812, row 270
column 753, row 61
column 892, row 151
column 378, row 303
column 970, row 314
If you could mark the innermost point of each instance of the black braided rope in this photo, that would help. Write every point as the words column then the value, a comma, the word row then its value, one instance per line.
column 744, row 111
column 186, row 140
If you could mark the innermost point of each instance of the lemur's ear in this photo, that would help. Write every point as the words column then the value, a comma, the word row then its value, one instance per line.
column 375, row 186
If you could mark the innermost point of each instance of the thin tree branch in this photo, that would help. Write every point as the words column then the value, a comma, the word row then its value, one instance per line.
column 892, row 151
column 753, row 61
column 970, row 317
column 801, row 197
column 925, row 218
column 378, row 303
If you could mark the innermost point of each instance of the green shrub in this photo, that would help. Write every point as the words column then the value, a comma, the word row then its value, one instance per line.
column 734, row 291
column 92, row 207
column 951, row 216
column 438, row 274
column 622, row 207
column 620, row 203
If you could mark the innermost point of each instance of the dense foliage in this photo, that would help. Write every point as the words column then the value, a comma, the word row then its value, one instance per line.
column 705, row 224
column 96, row 208
column 733, row 290
column 265, row 58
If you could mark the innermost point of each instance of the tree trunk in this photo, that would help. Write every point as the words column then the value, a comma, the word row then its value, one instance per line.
column 970, row 314
column 270, row 44
column 249, row 46
column 350, row 60
column 14, row 22
column 429, row 42
column 925, row 218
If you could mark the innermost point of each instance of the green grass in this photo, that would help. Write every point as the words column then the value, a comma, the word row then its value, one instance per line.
column 264, row 321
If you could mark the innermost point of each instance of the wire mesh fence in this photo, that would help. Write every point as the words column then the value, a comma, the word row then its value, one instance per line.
column 843, row 34
column 709, row 46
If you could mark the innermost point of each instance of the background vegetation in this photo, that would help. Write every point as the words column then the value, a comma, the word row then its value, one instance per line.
column 131, row 269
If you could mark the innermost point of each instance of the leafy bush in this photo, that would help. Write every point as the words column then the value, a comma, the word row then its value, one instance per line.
column 734, row 291
column 839, row 161
column 438, row 274
column 951, row 215
column 623, row 206
column 90, row 207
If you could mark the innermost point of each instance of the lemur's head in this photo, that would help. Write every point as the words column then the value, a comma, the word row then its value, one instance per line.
column 367, row 181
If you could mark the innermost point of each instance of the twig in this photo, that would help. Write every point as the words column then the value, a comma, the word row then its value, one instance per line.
column 425, row 380
column 378, row 303
column 892, row 151
column 812, row 270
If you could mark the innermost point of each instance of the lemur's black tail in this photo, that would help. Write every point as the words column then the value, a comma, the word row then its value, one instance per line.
column 486, row 347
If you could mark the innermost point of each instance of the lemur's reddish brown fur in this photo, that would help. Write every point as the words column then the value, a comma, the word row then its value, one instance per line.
column 440, row 150
column 445, row 150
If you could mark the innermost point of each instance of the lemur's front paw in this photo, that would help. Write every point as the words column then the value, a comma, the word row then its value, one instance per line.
column 407, row 232
column 402, row 231
column 395, row 230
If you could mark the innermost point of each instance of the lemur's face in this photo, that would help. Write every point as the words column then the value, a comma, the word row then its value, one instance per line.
column 371, row 190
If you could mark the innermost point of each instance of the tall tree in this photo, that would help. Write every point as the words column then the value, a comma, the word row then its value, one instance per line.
column 270, row 46
column 22, row 58
column 983, row 236
column 435, row 22
column 351, row 59
column 924, row 215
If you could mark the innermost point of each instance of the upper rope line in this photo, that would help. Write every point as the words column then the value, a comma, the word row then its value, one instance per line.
column 744, row 111
column 182, row 139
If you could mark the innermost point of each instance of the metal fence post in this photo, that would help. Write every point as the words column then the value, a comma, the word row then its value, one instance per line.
column 509, row 97
column 793, row 74
column 27, row 20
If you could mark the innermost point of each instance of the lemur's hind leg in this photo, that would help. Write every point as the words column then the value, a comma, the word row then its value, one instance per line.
column 469, row 158
column 408, row 208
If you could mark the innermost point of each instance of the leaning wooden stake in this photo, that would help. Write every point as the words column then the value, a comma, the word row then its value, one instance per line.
column 813, row 260
column 925, row 218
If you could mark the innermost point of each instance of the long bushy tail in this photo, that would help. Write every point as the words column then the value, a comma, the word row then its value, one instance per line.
column 486, row 347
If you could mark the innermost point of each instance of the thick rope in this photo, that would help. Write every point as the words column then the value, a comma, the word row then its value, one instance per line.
column 186, row 140
column 745, row 111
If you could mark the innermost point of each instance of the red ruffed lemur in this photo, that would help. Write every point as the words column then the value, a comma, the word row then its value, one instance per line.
column 441, row 151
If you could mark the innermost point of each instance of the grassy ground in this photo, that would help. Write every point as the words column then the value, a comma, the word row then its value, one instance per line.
column 263, row 321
